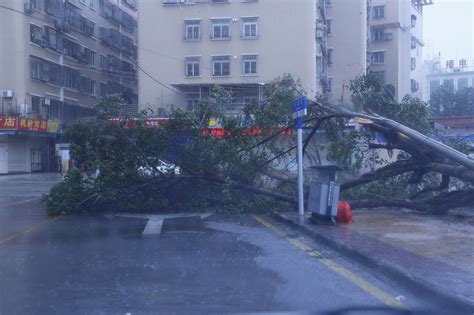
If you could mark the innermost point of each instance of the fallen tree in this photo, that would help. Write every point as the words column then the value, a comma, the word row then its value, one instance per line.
column 183, row 165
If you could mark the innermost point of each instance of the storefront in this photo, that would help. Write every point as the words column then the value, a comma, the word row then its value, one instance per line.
column 27, row 145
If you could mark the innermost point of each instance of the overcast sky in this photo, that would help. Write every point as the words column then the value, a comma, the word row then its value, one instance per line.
column 449, row 29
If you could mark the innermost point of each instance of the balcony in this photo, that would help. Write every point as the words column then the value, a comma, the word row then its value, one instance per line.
column 111, row 37
column 117, row 15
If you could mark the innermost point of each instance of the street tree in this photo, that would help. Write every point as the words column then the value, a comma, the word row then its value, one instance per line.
column 445, row 101
column 184, row 165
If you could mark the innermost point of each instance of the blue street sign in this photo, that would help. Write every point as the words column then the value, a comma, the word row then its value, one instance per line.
column 299, row 107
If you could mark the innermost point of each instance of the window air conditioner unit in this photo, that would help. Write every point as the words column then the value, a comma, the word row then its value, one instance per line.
column 47, row 102
column 7, row 93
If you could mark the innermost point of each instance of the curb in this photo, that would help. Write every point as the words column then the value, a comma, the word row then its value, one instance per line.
column 393, row 272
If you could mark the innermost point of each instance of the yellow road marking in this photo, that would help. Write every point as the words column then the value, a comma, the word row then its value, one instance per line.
column 28, row 230
column 358, row 281
column 270, row 226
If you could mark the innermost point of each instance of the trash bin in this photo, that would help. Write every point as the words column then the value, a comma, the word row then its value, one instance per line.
column 323, row 194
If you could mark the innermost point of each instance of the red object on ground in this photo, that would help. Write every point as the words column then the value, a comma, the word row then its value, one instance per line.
column 344, row 212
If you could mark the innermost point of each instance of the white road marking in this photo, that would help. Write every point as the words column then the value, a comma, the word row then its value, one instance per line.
column 155, row 221
column 153, row 226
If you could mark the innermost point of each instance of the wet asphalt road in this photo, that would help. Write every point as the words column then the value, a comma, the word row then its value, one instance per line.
column 105, row 265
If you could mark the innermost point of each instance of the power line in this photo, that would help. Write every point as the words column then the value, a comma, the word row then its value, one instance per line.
column 23, row 13
column 157, row 81
column 91, row 69
column 127, row 74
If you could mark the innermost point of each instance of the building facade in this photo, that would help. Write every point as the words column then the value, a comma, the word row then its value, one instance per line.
column 57, row 58
column 346, row 51
column 240, row 44
column 395, row 44
column 457, row 73
column 244, row 44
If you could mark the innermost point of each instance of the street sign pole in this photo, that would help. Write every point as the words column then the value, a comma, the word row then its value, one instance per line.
column 299, row 107
column 299, row 123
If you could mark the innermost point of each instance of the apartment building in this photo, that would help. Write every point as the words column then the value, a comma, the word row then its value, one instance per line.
column 395, row 44
column 57, row 58
column 345, row 37
column 240, row 44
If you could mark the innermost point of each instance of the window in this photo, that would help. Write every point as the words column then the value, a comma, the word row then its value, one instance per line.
column 220, row 1
column 250, row 98
column 55, row 73
column 413, row 42
column 91, row 4
column 103, row 89
column 34, row 4
column 128, row 68
column 72, row 16
column 249, row 27
column 328, row 3
column 35, row 102
column 378, row 11
column 37, row 69
column 329, row 26
column 380, row 35
column 329, row 56
column 463, row 83
column 414, row 85
column 36, row 34
column 192, row 67
column 378, row 57
column 192, row 30
column 53, row 8
column 103, row 62
column 434, row 85
column 249, row 65
column 413, row 63
column 44, row 70
column 51, row 37
column 72, row 78
column 413, row 20
column 449, row 83
column 221, row 65
column 128, row 47
column 86, row 26
column 113, row 63
column 91, row 58
column 193, row 101
column 71, row 49
column 87, row 85
column 220, row 29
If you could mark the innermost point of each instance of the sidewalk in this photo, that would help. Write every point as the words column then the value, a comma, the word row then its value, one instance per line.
column 429, row 253
column 28, row 176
